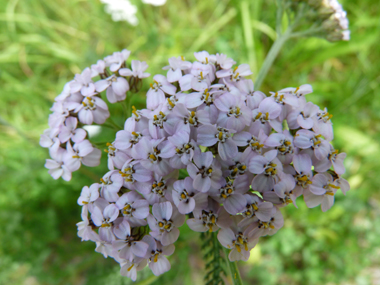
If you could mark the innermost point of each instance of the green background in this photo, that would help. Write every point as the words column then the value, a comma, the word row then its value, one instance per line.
column 43, row 43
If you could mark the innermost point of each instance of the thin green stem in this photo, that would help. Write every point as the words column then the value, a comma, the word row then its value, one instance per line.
column 277, row 46
column 127, row 106
column 111, row 126
column 306, row 33
column 272, row 54
column 234, row 270
column 280, row 12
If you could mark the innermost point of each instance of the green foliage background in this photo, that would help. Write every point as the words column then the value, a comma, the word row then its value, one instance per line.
column 43, row 43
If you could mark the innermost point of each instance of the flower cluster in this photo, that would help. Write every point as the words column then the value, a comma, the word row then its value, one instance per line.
column 208, row 146
column 80, row 104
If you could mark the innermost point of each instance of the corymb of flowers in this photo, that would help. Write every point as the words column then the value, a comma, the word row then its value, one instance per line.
column 208, row 150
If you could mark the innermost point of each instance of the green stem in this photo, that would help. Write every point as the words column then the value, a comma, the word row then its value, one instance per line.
column 278, row 44
column 272, row 54
column 232, row 265
column 280, row 12
column 111, row 126
column 306, row 33
column 115, row 124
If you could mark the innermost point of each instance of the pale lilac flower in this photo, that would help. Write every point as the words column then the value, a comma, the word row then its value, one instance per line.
column 184, row 149
column 104, row 219
column 186, row 198
column 284, row 191
column 284, row 99
column 129, row 268
column 127, row 139
column 210, row 219
column 117, row 59
column 199, row 79
column 334, row 159
column 159, row 189
column 153, row 154
column 158, row 127
column 283, row 142
column 82, row 152
column 267, row 166
column 104, row 247
column 223, row 61
column 89, row 194
column 298, row 91
column 256, row 207
column 136, row 123
column 262, row 228
column 172, row 101
column 133, row 207
column 92, row 109
column 69, row 131
column 321, row 192
column 183, row 119
column 110, row 185
column 164, row 223
column 66, row 92
column 56, row 151
column 231, row 195
column 83, row 83
column 58, row 169
column 205, row 172
column 100, row 203
column 156, row 252
column 61, row 112
column 227, row 86
column 236, row 74
column 323, row 125
column 303, row 116
column 175, row 67
column 85, row 231
column 117, row 88
column 237, row 167
column 203, row 96
column 98, row 69
column 254, row 139
column 204, row 57
column 264, row 117
column 253, row 98
column 46, row 139
column 135, row 175
column 305, row 139
column 209, row 135
column 302, row 173
column 238, row 239
column 157, row 90
column 234, row 114
column 138, row 70
column 126, row 244
column 343, row 184
column 116, row 157
column 287, row 103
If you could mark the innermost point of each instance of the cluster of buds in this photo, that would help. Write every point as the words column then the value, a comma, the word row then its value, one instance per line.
column 208, row 149
column 80, row 104
column 328, row 16
column 336, row 23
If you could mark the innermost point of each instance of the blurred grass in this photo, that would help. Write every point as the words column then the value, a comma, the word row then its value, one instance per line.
column 43, row 43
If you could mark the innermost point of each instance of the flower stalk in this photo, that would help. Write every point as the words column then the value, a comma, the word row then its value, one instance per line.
column 234, row 270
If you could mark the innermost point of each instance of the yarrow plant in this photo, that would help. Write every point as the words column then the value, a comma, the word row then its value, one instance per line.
column 209, row 150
